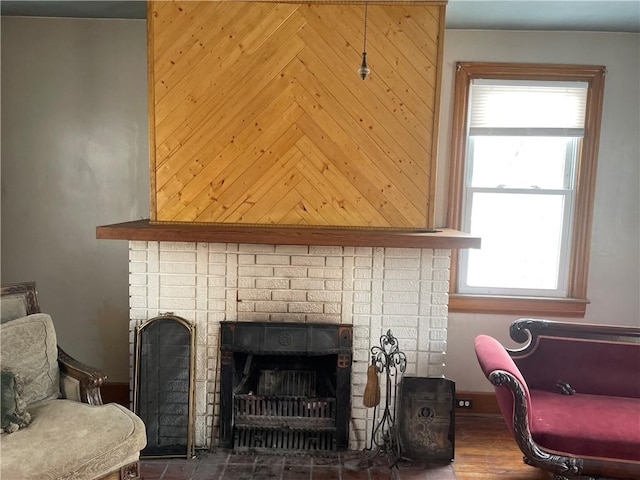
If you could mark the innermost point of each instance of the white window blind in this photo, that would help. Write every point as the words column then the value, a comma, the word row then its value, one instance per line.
column 520, row 104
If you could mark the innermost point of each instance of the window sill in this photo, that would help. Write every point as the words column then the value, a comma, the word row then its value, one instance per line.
column 528, row 306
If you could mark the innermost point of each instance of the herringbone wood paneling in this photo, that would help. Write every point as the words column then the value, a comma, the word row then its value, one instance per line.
column 257, row 114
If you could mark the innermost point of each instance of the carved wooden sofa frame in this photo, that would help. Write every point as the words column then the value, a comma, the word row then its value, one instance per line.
column 516, row 372
column 78, row 380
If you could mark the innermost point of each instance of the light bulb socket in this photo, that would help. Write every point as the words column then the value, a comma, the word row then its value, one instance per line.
column 364, row 69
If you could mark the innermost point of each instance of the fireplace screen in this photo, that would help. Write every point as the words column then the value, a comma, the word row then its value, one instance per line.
column 164, row 385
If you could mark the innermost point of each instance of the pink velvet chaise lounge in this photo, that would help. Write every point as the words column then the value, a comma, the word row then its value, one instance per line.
column 570, row 396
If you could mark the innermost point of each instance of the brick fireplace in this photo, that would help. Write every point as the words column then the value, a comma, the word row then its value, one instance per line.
column 372, row 288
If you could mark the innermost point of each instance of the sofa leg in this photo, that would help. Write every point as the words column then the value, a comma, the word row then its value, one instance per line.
column 130, row 471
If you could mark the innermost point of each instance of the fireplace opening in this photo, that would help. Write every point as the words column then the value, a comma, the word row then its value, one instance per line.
column 285, row 387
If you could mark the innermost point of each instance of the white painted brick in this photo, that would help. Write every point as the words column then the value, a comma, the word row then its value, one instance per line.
column 399, row 309
column 362, row 297
column 252, row 317
column 441, row 263
column 178, row 280
column 246, row 307
column 292, row 249
column 402, row 262
column 177, row 256
column 401, row 274
column 321, row 296
column 334, row 261
column 401, row 285
column 361, row 308
column 290, row 272
column 305, row 307
column 439, row 299
column 178, row 268
column 173, row 304
column 439, row 287
column 332, row 285
column 362, row 285
column 322, row 318
column 137, row 267
column 137, row 245
column 137, row 302
column 272, row 283
column 176, row 246
column 137, row 255
column 287, row 317
column 244, row 259
column 218, row 270
column 253, row 294
column 289, row 295
column 255, row 271
column 328, row 250
column 222, row 247
column 307, row 284
column 273, row 260
column 247, row 282
column 401, row 297
column 215, row 257
column 437, row 334
column 439, row 322
column 137, row 279
column 439, row 310
column 361, row 320
column 217, row 305
column 137, row 291
column 256, row 248
column 362, row 273
column 310, row 261
column 177, row 292
column 437, row 346
column 271, row 307
column 332, row 273
column 332, row 308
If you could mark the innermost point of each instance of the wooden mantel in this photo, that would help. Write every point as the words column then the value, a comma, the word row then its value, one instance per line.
column 144, row 230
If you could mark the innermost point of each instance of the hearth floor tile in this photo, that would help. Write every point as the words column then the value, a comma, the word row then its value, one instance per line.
column 225, row 465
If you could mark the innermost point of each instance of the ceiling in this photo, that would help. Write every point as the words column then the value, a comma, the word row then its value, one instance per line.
column 585, row 15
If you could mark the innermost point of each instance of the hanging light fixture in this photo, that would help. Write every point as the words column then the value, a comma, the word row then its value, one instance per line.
column 364, row 69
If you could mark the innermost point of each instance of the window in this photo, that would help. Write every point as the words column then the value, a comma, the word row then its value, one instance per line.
column 523, row 163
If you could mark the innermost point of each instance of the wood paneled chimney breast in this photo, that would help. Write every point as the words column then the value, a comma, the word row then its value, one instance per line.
column 258, row 114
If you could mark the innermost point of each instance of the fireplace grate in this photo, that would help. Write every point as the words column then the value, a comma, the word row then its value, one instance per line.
column 284, row 415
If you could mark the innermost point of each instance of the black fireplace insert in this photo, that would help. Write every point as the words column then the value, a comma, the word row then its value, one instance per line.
column 285, row 387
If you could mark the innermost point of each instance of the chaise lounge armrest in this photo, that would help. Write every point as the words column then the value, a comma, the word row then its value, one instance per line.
column 79, row 381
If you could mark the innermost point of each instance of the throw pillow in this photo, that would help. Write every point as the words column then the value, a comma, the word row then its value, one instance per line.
column 12, row 407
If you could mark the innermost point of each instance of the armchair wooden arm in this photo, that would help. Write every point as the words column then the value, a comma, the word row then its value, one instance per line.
column 85, row 380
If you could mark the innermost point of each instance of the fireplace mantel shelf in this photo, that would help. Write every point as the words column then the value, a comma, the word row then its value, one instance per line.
column 145, row 230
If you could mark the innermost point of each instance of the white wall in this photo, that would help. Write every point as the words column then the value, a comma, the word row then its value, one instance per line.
column 74, row 156
column 614, row 284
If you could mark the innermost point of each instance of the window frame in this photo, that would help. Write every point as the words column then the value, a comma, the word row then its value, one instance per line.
column 575, row 302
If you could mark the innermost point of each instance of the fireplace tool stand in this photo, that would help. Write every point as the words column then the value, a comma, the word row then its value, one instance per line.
column 391, row 363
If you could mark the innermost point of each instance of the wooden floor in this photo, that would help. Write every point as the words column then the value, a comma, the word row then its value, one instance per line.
column 484, row 449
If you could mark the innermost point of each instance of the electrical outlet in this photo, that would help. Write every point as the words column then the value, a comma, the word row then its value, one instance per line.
column 464, row 403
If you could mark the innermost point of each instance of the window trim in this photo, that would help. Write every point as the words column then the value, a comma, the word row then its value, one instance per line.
column 574, row 305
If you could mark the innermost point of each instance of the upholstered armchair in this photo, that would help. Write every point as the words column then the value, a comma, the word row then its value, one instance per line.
column 54, row 423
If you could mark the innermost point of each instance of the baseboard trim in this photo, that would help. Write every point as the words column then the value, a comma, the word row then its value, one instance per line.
column 115, row 393
column 482, row 402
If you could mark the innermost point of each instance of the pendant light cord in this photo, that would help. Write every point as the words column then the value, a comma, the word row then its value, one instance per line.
column 366, row 13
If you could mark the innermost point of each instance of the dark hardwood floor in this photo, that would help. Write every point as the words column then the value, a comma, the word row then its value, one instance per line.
column 484, row 450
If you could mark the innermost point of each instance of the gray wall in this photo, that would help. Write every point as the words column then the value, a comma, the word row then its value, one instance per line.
column 74, row 156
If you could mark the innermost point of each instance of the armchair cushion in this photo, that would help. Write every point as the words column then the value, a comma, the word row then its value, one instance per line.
column 29, row 350
column 72, row 440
